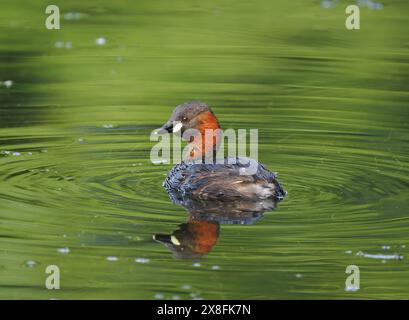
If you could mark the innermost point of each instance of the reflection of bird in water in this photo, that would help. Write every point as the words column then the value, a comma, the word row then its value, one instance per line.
column 192, row 239
column 199, row 234
column 232, row 179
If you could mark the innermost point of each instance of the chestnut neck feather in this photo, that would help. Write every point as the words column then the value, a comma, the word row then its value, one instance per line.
column 208, row 126
column 204, row 234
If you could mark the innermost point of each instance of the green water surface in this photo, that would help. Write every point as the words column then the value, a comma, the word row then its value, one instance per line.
column 77, row 187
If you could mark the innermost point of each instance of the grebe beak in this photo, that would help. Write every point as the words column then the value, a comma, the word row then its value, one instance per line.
column 166, row 128
column 170, row 127
column 166, row 239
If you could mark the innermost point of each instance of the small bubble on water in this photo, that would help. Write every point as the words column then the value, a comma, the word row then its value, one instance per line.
column 380, row 256
column 142, row 260
column 159, row 296
column 186, row 287
column 17, row 154
column 112, row 258
column 403, row 246
column 195, row 295
column 377, row 6
column 161, row 161
column 100, row 41
column 370, row 4
column 350, row 288
column 63, row 250
column 326, row 4
column 8, row 83
column 108, row 126
column 73, row 16
column 30, row 153
column 348, row 251
column 215, row 267
column 30, row 263
column 62, row 44
column 385, row 247
column 298, row 275
column 175, row 297
column 197, row 264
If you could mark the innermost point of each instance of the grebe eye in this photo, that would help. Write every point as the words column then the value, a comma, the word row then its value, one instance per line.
column 184, row 119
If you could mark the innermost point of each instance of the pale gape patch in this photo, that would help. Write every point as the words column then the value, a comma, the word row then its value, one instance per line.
column 175, row 240
column 177, row 127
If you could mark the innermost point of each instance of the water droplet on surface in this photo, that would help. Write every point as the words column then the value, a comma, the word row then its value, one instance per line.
column 8, row 83
column 326, row 4
column 380, row 256
column 186, row 287
column 30, row 263
column 351, row 288
column 112, row 258
column 73, row 16
column 63, row 250
column 142, row 260
column 162, row 161
column 100, row 41
column 159, row 296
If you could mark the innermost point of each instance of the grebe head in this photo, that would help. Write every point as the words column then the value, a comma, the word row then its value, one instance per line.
column 196, row 119
column 191, row 115
column 191, row 240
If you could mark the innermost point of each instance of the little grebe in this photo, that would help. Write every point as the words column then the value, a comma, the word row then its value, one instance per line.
column 213, row 181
